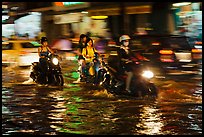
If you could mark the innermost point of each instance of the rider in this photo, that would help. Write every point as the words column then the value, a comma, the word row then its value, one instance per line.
column 43, row 52
column 81, row 59
column 125, row 54
column 89, row 53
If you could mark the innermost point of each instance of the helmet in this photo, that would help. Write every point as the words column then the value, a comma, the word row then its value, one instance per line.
column 124, row 37
column 43, row 39
column 82, row 36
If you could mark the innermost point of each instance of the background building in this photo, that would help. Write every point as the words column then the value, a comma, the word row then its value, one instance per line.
column 70, row 19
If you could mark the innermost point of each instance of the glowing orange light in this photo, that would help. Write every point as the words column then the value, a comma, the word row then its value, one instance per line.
column 166, row 52
column 155, row 43
column 59, row 4
column 196, row 50
column 167, row 60
column 198, row 42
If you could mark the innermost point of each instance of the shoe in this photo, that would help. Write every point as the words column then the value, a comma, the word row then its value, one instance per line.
column 127, row 90
column 82, row 80
column 78, row 80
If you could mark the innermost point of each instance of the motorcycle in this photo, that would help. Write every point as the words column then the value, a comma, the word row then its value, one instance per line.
column 114, row 81
column 53, row 74
column 91, row 70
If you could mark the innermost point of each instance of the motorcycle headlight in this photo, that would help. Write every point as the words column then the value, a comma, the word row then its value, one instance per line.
column 148, row 74
column 55, row 61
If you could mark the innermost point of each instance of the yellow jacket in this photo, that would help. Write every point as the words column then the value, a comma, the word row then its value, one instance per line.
column 88, row 53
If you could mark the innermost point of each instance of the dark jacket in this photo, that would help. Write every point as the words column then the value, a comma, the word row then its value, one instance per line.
column 123, row 66
column 80, row 47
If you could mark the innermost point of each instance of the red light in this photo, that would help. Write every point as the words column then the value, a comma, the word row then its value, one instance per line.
column 166, row 52
column 111, row 42
column 196, row 50
column 59, row 4
column 198, row 42
column 23, row 52
column 167, row 60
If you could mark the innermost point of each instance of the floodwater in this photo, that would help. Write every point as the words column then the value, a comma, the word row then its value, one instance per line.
column 30, row 109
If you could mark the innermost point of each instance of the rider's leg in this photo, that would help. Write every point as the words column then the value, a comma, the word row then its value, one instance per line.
column 80, row 69
column 128, row 80
column 83, row 65
column 43, row 66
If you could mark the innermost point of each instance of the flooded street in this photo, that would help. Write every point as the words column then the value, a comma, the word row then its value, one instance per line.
column 31, row 109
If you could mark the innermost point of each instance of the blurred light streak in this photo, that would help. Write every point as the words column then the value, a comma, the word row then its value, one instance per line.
column 181, row 4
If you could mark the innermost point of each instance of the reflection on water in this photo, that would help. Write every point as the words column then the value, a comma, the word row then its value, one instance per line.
column 29, row 109
column 150, row 121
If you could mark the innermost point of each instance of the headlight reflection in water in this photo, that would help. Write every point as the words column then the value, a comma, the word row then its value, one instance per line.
column 150, row 121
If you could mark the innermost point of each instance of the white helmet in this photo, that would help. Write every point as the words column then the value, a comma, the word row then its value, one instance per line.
column 124, row 37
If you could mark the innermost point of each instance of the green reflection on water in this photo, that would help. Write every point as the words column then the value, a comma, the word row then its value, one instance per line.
column 78, row 99
column 74, row 120
column 75, row 75
column 73, row 132
column 72, row 108
column 72, row 89
column 73, row 125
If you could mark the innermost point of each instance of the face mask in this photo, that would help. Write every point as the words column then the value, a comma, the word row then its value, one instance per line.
column 126, row 43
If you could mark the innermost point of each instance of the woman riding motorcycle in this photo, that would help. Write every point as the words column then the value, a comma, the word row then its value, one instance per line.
column 125, row 55
column 43, row 52
column 89, row 53
column 127, row 59
column 81, row 59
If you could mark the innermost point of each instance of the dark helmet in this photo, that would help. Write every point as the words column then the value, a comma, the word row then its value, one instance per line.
column 89, row 39
column 82, row 36
column 43, row 39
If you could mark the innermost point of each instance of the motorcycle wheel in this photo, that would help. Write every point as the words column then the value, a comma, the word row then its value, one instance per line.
column 59, row 81
column 144, row 89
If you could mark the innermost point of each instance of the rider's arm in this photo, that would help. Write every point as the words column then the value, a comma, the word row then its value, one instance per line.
column 52, row 52
column 140, row 57
column 39, row 52
column 84, row 52
column 78, row 51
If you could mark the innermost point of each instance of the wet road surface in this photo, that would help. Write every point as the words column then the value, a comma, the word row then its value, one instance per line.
column 30, row 109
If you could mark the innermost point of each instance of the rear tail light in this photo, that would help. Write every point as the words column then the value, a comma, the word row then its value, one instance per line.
column 23, row 52
column 198, row 42
column 166, row 60
column 155, row 43
column 169, row 52
column 196, row 50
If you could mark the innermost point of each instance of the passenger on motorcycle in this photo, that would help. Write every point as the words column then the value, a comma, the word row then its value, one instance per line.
column 89, row 53
column 43, row 52
column 125, row 55
column 81, row 59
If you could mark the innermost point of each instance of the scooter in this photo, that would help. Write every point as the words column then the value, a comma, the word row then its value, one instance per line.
column 91, row 70
column 141, row 84
column 53, row 75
